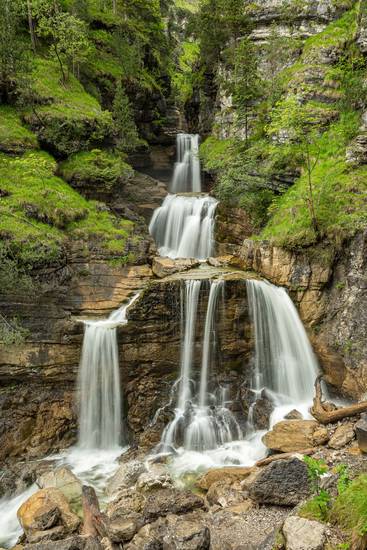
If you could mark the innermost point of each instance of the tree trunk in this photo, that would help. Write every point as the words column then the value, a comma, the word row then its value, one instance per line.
column 61, row 65
column 31, row 25
column 325, row 416
column 284, row 456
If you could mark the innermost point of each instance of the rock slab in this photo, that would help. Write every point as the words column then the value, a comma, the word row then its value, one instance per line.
column 295, row 435
column 303, row 534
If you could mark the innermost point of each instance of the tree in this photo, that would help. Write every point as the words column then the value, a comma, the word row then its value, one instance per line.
column 13, row 52
column 127, row 138
column 245, row 85
column 298, row 124
column 67, row 35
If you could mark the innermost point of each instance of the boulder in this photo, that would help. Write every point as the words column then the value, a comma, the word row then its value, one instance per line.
column 64, row 480
column 361, row 432
column 219, row 474
column 126, row 476
column 342, row 436
column 149, row 537
column 46, row 515
column 283, row 482
column 157, row 477
column 183, row 534
column 162, row 267
column 303, row 534
column 224, row 494
column 295, row 435
column 123, row 530
column 127, row 503
column 293, row 415
column 261, row 413
column 170, row 501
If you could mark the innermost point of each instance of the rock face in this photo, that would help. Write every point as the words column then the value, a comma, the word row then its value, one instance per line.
column 295, row 435
column 304, row 534
column 331, row 293
column 283, row 482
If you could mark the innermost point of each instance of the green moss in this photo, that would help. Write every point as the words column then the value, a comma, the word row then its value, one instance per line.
column 339, row 194
column 40, row 211
column 69, row 119
column 97, row 168
column 349, row 510
column 14, row 137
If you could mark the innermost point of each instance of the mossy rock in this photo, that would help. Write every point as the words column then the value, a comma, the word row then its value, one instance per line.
column 15, row 138
column 95, row 172
column 68, row 118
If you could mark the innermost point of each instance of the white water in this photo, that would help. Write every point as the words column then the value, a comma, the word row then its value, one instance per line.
column 100, row 425
column 183, row 226
column 202, row 421
column 186, row 175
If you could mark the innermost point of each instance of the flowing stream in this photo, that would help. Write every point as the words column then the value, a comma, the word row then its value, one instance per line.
column 187, row 172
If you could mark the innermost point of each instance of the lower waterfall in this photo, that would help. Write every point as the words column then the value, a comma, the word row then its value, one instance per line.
column 183, row 226
column 202, row 421
column 100, row 425
column 285, row 365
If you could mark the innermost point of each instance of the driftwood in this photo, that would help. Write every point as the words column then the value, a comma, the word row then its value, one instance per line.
column 94, row 522
column 284, row 456
column 326, row 416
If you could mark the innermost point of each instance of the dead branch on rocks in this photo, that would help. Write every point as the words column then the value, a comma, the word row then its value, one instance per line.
column 94, row 522
column 325, row 416
column 284, row 456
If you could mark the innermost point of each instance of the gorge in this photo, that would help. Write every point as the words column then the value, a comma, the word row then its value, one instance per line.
column 182, row 260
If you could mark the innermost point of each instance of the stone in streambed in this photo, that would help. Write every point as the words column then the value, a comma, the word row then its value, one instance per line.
column 224, row 493
column 283, row 482
column 342, row 436
column 126, row 476
column 162, row 267
column 71, row 543
column 293, row 415
column 361, row 432
column 220, row 474
column 261, row 413
column 64, row 480
column 304, row 534
column 183, row 534
column 46, row 515
column 295, row 435
column 162, row 502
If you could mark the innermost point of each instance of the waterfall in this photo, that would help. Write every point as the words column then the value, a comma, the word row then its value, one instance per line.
column 183, row 226
column 202, row 421
column 284, row 361
column 186, row 175
column 100, row 425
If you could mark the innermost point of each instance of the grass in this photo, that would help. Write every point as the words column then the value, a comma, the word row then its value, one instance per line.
column 40, row 211
column 98, row 168
column 349, row 511
column 68, row 118
column 14, row 137
column 340, row 195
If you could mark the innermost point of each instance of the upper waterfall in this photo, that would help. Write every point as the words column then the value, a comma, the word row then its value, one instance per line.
column 186, row 175
column 183, row 226
column 100, row 425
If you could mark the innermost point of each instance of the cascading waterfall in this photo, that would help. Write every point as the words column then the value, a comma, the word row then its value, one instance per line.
column 100, row 425
column 202, row 421
column 186, row 175
column 285, row 364
column 183, row 226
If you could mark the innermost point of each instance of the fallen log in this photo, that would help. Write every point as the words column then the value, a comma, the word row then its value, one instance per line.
column 284, row 456
column 94, row 522
column 326, row 416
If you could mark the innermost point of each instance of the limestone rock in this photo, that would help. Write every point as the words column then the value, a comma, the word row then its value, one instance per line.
column 126, row 476
column 361, row 432
column 220, row 474
column 170, row 501
column 295, row 435
column 46, row 515
column 123, row 530
column 293, row 415
column 261, row 413
column 149, row 537
column 156, row 478
column 162, row 267
column 183, row 534
column 283, row 482
column 224, row 494
column 220, row 261
column 303, row 534
column 71, row 543
column 64, row 480
column 342, row 436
